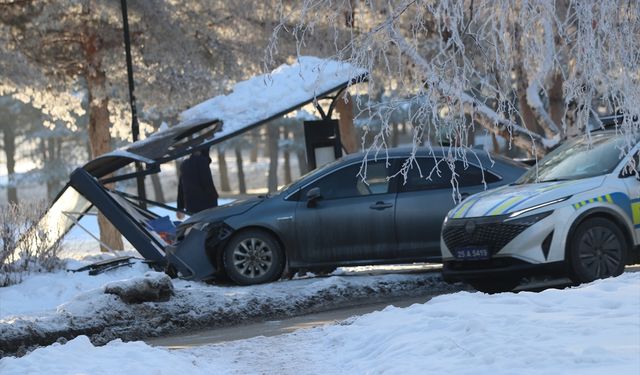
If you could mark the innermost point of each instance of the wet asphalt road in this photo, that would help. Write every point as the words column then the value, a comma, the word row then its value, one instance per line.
column 278, row 327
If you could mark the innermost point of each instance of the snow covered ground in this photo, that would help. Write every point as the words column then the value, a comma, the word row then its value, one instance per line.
column 591, row 329
column 47, row 306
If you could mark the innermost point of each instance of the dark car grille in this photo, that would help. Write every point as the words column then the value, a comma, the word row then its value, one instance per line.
column 494, row 234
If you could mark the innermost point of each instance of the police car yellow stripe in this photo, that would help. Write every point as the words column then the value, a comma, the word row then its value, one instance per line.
column 504, row 205
column 462, row 209
column 635, row 211
column 602, row 198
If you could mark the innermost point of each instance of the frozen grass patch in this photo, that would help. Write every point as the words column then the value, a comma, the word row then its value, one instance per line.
column 25, row 249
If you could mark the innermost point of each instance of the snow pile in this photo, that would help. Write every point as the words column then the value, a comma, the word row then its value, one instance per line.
column 87, row 309
column 41, row 294
column 114, row 358
column 592, row 329
column 265, row 96
column 153, row 286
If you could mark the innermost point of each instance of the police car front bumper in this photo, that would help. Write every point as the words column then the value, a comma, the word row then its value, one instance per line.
column 498, row 246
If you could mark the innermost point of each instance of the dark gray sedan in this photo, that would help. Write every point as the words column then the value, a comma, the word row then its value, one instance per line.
column 334, row 217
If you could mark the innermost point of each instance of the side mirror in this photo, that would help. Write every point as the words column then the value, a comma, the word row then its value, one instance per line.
column 313, row 195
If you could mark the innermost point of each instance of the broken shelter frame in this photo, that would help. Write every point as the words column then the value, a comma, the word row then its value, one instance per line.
column 89, row 184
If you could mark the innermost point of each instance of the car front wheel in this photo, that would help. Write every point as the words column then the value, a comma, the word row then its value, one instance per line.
column 598, row 250
column 253, row 257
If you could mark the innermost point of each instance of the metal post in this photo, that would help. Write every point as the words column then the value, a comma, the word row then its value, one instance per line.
column 135, row 127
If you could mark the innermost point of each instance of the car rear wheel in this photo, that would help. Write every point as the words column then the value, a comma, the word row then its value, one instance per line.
column 598, row 250
column 253, row 257
column 495, row 285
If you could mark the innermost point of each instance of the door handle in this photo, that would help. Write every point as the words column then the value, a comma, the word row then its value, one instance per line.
column 380, row 206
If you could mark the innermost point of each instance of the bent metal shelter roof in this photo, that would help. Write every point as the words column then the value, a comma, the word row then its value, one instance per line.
column 250, row 103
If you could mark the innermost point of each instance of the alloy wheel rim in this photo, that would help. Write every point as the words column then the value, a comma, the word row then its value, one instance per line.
column 252, row 257
column 600, row 252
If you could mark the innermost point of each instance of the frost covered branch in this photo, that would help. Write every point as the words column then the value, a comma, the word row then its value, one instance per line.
column 533, row 71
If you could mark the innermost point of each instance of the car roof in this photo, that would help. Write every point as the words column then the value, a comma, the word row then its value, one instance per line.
column 423, row 151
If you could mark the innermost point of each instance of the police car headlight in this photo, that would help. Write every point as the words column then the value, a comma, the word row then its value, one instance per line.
column 528, row 209
column 530, row 219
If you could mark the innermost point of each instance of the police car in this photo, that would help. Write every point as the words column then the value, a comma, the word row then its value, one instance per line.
column 576, row 214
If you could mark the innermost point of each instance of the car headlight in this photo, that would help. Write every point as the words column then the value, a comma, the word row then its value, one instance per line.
column 528, row 220
column 201, row 226
column 528, row 209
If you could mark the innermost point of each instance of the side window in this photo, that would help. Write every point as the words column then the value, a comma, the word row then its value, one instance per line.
column 345, row 183
column 441, row 178
column 632, row 168
column 472, row 175
column 424, row 177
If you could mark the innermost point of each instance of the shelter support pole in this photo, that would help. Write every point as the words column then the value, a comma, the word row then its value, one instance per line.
column 135, row 127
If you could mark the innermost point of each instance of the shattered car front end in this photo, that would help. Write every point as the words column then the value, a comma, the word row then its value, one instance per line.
column 194, row 255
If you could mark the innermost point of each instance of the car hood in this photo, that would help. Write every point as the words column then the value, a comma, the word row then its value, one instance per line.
column 510, row 198
column 222, row 212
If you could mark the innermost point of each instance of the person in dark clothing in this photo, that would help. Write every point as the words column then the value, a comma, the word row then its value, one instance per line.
column 196, row 191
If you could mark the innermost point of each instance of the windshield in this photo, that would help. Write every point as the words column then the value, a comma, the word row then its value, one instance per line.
column 578, row 158
column 310, row 175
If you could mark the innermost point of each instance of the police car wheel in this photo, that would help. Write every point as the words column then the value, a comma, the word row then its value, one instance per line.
column 253, row 257
column 598, row 250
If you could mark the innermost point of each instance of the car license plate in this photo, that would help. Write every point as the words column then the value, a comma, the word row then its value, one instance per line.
column 472, row 253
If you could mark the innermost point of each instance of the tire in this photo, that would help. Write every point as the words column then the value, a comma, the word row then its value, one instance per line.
column 492, row 286
column 598, row 249
column 253, row 257
column 445, row 274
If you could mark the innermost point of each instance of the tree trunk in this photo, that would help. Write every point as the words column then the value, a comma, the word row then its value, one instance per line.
column 395, row 135
column 242, row 187
column 298, row 140
column 287, row 158
column 556, row 101
column 494, row 143
column 255, row 141
column 347, row 130
column 100, row 140
column 55, row 172
column 9, row 136
column 272, row 142
column 99, row 136
column 529, row 119
column 158, row 194
column 223, row 170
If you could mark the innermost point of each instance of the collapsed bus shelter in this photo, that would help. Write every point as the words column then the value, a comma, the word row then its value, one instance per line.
column 250, row 104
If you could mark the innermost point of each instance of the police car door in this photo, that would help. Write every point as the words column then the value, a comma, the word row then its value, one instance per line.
column 630, row 176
